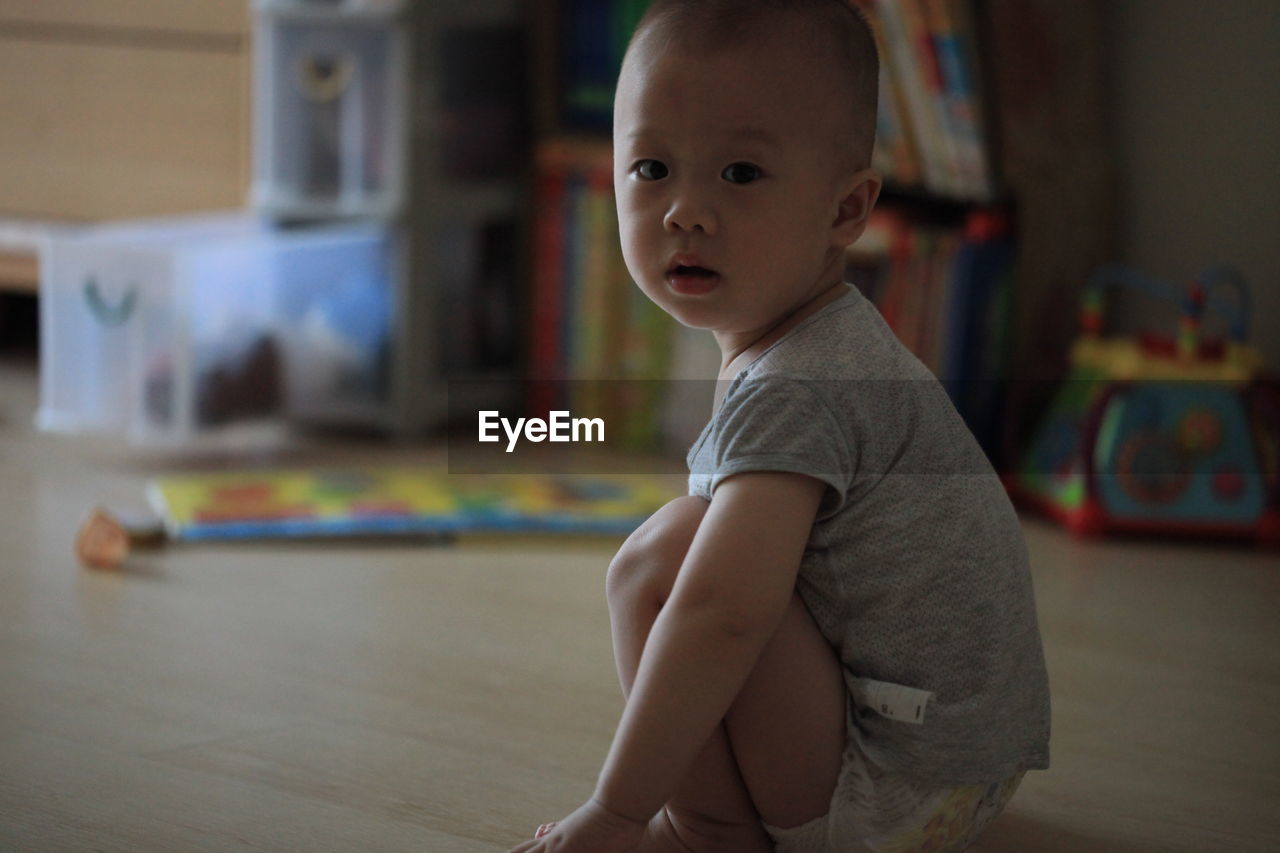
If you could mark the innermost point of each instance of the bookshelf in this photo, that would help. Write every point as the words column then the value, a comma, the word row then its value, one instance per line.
column 939, row 252
column 589, row 322
column 965, row 256
column 469, row 167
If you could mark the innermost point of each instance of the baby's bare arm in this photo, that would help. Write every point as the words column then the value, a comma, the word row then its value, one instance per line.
column 728, row 599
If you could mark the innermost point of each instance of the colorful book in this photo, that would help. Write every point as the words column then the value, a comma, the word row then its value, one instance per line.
column 609, row 338
column 594, row 37
column 573, row 272
column 903, row 58
column 551, row 199
column 400, row 502
column 920, row 36
column 895, row 149
column 952, row 37
column 586, row 65
column 929, row 127
column 583, row 291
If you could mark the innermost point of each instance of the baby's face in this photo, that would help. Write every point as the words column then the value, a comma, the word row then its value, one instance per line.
column 727, row 180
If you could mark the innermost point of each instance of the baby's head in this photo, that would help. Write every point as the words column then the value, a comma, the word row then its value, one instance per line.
column 742, row 139
column 821, row 45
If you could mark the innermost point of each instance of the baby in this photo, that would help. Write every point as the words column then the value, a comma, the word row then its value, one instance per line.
column 831, row 643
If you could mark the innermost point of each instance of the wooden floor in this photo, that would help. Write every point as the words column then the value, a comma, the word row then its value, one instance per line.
column 449, row 698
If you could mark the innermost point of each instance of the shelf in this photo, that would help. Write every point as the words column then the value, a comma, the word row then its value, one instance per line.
column 930, row 205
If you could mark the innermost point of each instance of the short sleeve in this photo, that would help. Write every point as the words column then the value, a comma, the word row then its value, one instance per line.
column 779, row 424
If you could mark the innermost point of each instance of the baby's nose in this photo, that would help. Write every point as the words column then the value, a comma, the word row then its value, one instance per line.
column 689, row 213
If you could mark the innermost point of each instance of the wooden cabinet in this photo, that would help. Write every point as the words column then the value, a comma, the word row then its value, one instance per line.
column 123, row 108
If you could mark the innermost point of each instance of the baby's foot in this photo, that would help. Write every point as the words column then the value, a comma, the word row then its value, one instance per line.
column 665, row 836
column 658, row 838
column 661, row 836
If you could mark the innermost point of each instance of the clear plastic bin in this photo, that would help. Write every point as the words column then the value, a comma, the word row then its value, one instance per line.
column 330, row 84
column 382, row 7
column 168, row 330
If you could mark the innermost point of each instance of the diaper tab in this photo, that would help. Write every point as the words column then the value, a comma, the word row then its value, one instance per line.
column 892, row 701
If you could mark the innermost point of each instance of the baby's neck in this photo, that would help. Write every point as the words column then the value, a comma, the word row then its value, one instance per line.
column 734, row 357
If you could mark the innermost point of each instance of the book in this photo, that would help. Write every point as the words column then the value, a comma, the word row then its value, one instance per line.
column 594, row 38
column 399, row 502
column 907, row 72
column 608, row 349
column 924, row 56
column 894, row 154
column 979, row 318
column 929, row 124
column 592, row 291
column 587, row 90
column 550, row 199
column 953, row 36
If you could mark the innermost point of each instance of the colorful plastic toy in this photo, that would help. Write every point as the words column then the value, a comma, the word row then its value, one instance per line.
column 1159, row 433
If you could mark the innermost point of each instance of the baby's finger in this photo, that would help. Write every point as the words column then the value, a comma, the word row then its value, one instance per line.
column 545, row 828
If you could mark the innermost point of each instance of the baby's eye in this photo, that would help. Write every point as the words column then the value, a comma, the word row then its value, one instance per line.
column 740, row 173
column 650, row 170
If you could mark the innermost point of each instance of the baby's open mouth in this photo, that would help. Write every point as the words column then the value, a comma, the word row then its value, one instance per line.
column 681, row 269
column 692, row 279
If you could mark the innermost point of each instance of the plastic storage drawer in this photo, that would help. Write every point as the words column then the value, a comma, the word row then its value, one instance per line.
column 330, row 86
column 167, row 330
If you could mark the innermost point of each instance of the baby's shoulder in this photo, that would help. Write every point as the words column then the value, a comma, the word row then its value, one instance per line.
column 849, row 342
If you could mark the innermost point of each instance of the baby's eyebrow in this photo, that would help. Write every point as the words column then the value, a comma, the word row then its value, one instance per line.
column 746, row 133
column 756, row 134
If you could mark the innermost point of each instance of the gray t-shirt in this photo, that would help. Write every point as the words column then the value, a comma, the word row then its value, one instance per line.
column 915, row 569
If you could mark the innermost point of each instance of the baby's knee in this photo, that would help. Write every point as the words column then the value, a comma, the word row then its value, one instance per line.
column 647, row 563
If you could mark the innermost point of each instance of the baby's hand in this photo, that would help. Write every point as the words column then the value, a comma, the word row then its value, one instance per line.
column 590, row 829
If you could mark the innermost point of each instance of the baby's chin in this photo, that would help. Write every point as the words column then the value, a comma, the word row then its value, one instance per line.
column 693, row 315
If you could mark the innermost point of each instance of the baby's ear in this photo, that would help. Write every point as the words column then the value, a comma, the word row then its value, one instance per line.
column 862, row 189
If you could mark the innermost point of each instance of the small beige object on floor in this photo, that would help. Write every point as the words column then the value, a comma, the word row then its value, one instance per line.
column 106, row 536
column 102, row 542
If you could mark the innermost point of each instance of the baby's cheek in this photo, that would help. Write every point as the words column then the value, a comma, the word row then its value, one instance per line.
column 637, row 242
column 631, row 257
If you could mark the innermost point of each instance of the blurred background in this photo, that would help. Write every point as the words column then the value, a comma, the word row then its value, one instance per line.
column 376, row 213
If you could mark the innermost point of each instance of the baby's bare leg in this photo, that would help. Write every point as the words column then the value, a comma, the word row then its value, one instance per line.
column 777, row 754
column 640, row 580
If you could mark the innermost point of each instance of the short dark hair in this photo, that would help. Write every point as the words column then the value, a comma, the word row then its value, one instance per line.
column 838, row 23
